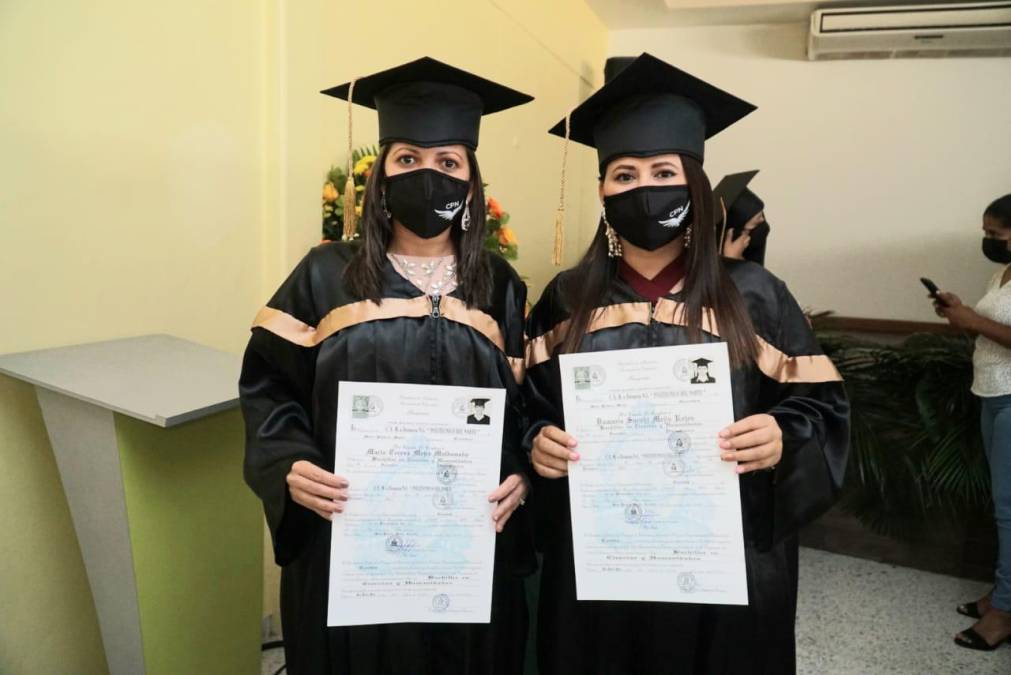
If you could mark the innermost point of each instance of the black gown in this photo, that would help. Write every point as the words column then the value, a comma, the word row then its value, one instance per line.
column 311, row 335
column 790, row 380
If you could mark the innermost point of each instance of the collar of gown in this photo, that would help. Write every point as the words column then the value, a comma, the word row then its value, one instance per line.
column 660, row 285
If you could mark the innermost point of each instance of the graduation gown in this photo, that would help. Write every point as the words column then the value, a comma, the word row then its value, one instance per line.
column 312, row 334
column 791, row 380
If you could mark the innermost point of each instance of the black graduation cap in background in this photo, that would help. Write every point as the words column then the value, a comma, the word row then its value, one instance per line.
column 616, row 64
column 727, row 192
column 428, row 103
column 649, row 107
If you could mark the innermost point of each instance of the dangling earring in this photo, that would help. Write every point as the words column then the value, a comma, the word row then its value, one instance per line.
column 386, row 211
column 688, row 237
column 613, row 243
column 465, row 222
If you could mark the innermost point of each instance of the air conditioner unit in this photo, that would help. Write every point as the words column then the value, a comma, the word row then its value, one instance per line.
column 970, row 29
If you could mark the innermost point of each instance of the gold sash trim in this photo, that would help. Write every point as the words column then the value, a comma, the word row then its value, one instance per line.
column 771, row 361
column 291, row 329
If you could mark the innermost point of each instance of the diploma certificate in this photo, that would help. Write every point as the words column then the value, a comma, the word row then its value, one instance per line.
column 416, row 542
column 656, row 514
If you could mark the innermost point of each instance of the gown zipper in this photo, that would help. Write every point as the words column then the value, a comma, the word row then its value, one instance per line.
column 436, row 300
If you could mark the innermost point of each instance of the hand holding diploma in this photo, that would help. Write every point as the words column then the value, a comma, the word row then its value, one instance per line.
column 317, row 489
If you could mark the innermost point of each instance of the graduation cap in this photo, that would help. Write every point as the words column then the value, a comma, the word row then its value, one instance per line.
column 424, row 102
column 647, row 107
column 616, row 64
column 702, row 362
column 726, row 194
column 480, row 401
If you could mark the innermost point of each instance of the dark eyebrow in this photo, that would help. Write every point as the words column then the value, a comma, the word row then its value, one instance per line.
column 665, row 162
column 623, row 166
column 451, row 153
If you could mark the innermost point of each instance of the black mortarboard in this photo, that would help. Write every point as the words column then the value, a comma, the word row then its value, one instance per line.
column 728, row 191
column 616, row 64
column 702, row 362
column 428, row 103
column 480, row 401
column 649, row 108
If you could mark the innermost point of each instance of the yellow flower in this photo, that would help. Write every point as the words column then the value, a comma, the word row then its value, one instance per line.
column 364, row 164
column 329, row 192
column 506, row 236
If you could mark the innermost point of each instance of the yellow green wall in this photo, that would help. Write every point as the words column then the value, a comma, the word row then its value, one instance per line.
column 161, row 172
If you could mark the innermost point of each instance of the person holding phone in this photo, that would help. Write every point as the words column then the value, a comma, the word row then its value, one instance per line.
column 990, row 323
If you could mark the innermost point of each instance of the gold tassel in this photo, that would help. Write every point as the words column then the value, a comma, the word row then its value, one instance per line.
column 556, row 257
column 350, row 217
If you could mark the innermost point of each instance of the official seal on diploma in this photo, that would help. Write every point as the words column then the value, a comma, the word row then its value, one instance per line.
column 440, row 603
column 365, row 406
column 633, row 513
column 586, row 377
column 446, row 474
column 687, row 582
column 679, row 442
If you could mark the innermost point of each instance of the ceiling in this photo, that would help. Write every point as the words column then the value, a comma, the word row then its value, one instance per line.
column 618, row 14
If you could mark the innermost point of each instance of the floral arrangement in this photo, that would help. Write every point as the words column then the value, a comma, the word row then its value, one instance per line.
column 500, row 238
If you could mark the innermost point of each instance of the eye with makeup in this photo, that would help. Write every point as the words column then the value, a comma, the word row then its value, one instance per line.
column 406, row 159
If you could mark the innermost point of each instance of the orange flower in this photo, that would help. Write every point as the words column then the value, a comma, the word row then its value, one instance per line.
column 506, row 236
column 494, row 208
column 329, row 192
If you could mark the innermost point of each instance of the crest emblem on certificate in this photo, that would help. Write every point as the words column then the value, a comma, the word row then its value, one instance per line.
column 679, row 442
column 633, row 513
column 446, row 473
column 440, row 603
column 674, row 466
column 395, row 543
column 442, row 499
column 586, row 377
column 365, row 406
column 687, row 582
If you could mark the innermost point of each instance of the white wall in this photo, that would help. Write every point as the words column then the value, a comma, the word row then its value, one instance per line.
column 874, row 173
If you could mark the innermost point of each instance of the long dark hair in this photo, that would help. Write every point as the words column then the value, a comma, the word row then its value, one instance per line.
column 707, row 285
column 364, row 274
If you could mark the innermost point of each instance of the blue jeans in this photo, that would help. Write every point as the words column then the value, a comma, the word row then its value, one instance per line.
column 996, row 426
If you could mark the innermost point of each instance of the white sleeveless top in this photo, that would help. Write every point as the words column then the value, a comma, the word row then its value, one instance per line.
column 991, row 363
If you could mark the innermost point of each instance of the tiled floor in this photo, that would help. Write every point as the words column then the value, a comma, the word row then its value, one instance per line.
column 858, row 617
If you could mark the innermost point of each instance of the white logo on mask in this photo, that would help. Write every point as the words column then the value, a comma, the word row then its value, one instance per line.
column 676, row 217
column 450, row 211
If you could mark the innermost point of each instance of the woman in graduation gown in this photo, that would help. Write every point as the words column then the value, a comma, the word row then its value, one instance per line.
column 745, row 228
column 653, row 277
column 418, row 301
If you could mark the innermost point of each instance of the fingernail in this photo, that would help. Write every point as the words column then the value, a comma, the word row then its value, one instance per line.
column 726, row 457
column 573, row 443
column 574, row 456
column 725, row 445
column 739, row 469
column 724, row 433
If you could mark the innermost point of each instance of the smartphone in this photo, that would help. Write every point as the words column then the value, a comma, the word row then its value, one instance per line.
column 934, row 290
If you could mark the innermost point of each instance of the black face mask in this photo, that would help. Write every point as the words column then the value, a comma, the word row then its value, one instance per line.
column 649, row 217
column 426, row 201
column 758, row 235
column 996, row 250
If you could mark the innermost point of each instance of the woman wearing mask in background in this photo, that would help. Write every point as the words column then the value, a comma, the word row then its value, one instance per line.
column 746, row 230
column 650, row 276
column 418, row 301
column 990, row 322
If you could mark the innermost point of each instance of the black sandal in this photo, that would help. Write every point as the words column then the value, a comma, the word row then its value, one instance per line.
column 974, row 640
column 970, row 609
